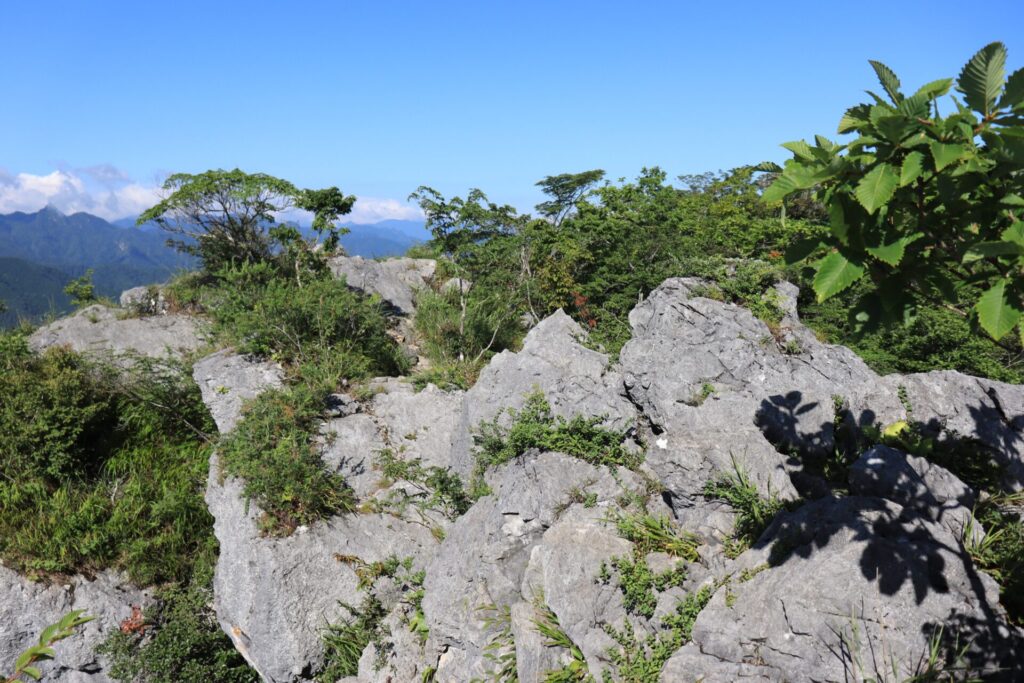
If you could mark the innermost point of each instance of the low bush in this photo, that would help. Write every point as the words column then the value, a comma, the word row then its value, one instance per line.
column 103, row 468
column 754, row 512
column 272, row 451
column 179, row 639
column 534, row 426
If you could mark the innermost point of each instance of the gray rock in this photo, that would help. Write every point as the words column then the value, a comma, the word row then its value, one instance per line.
column 562, row 572
column 484, row 558
column 952, row 406
column 145, row 300
column 901, row 579
column 395, row 280
column 26, row 608
column 99, row 329
column 456, row 284
column 274, row 596
column 350, row 447
column 574, row 379
column 914, row 482
column 227, row 380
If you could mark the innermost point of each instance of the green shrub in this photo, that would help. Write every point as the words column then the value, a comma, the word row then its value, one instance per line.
column 754, row 513
column 345, row 641
column 179, row 639
column 641, row 660
column 534, row 426
column 25, row 664
column 657, row 534
column 272, row 450
column 105, row 467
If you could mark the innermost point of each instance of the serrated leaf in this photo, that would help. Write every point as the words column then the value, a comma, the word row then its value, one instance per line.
column 935, row 88
column 945, row 154
column 893, row 253
column 982, row 78
column 877, row 187
column 768, row 167
column 837, row 221
column 824, row 143
column 779, row 189
column 916, row 106
column 1014, row 92
column 835, row 273
column 996, row 314
column 800, row 250
column 913, row 166
column 801, row 149
column 890, row 83
column 853, row 118
column 983, row 250
column 1014, row 233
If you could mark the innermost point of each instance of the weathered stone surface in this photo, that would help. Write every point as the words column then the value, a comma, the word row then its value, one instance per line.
column 562, row 571
column 858, row 585
column 26, row 608
column 99, row 329
column 227, row 380
column 574, row 379
column 484, row 558
column 722, row 389
column 274, row 596
column 951, row 405
column 145, row 300
column 395, row 280
column 913, row 482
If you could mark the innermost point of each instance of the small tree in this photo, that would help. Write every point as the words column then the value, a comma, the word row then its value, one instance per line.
column 81, row 290
column 226, row 217
column 929, row 207
column 565, row 190
column 461, row 228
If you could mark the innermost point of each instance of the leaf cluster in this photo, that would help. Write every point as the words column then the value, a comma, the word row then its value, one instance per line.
column 24, row 665
column 926, row 207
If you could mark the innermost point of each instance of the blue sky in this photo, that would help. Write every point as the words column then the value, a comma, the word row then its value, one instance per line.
column 100, row 99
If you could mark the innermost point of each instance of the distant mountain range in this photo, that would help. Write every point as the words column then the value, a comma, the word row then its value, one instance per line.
column 41, row 252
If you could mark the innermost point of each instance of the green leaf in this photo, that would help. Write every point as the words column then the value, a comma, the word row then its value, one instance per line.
column 768, row 167
column 1014, row 233
column 1014, row 93
column 801, row 149
column 945, row 154
column 982, row 78
column 888, row 79
column 32, row 672
column 835, row 273
column 984, row 250
column 854, row 117
column 800, row 250
column 995, row 312
column 877, row 187
column 837, row 221
column 780, row 187
column 912, row 168
column 935, row 88
column 1012, row 200
column 893, row 253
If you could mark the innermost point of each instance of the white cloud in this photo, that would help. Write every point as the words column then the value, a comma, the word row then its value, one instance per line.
column 102, row 191
column 108, row 192
column 374, row 210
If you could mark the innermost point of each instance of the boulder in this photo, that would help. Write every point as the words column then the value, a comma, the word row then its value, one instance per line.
column 913, row 482
column 145, row 300
column 275, row 596
column 904, row 584
column 483, row 562
column 574, row 379
column 227, row 380
column 27, row 607
column 395, row 280
column 101, row 330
